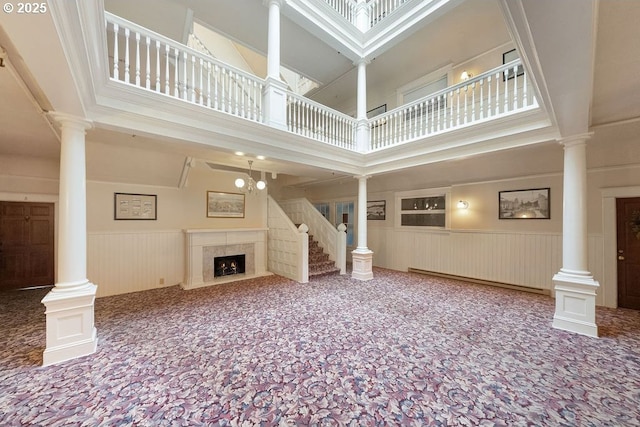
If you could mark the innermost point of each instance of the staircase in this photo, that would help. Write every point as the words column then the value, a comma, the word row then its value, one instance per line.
column 319, row 262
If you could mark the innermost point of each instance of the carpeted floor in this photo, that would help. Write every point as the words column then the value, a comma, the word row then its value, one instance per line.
column 401, row 349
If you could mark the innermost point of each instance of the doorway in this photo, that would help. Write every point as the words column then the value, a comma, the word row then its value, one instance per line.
column 26, row 244
column 628, row 251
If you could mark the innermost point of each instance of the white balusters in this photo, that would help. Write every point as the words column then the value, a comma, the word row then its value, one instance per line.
column 137, row 58
column 208, row 71
column 157, row 66
column 194, row 77
column 499, row 77
column 116, row 59
column 148, row 66
column 176, row 77
column 482, row 112
column 515, row 87
column 506, row 93
column 166, row 72
column 127, row 33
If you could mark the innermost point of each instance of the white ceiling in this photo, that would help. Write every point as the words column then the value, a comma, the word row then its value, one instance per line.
column 470, row 29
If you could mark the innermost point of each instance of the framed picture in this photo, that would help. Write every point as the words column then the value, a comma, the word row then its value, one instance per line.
column 376, row 210
column 135, row 206
column 507, row 57
column 225, row 205
column 525, row 204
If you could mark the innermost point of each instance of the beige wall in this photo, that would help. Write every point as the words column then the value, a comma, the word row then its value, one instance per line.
column 24, row 175
column 177, row 208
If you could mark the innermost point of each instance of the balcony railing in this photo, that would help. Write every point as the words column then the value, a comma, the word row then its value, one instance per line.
column 150, row 61
column 345, row 8
column 499, row 92
column 313, row 120
column 380, row 9
column 376, row 10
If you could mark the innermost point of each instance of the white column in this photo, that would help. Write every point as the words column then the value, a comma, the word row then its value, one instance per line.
column 273, row 40
column 362, row 128
column 274, row 95
column 362, row 256
column 69, row 306
column 575, row 287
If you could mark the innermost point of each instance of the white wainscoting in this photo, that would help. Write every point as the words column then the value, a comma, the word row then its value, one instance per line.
column 518, row 258
column 123, row 262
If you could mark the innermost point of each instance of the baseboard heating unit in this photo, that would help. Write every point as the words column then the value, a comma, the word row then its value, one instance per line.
column 481, row 282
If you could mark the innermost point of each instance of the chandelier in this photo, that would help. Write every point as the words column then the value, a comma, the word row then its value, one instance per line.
column 250, row 185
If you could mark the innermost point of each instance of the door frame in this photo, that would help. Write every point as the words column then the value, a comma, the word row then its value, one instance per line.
column 40, row 198
column 610, row 241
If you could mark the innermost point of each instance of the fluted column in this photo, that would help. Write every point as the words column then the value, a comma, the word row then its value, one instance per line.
column 575, row 287
column 362, row 256
column 274, row 94
column 70, row 304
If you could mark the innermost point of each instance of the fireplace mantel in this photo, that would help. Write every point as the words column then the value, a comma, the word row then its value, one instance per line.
column 202, row 244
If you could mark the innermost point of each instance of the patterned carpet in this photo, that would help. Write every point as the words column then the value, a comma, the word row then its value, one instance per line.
column 402, row 349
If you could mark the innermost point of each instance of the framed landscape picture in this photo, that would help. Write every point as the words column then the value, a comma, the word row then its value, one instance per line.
column 376, row 210
column 225, row 205
column 524, row 204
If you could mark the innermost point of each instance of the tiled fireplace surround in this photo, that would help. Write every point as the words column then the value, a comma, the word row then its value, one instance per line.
column 203, row 245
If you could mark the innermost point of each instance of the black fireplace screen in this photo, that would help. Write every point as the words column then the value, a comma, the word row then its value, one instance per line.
column 228, row 265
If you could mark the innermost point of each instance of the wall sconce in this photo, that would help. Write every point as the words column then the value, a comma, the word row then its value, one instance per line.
column 250, row 185
column 465, row 76
column 463, row 204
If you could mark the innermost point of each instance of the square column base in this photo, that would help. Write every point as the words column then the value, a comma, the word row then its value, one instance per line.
column 274, row 102
column 71, row 332
column 575, row 303
column 362, row 264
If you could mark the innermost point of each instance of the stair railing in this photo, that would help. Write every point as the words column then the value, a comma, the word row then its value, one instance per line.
column 332, row 240
column 287, row 246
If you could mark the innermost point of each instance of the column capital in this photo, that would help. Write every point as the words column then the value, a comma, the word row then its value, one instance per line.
column 362, row 177
column 575, row 139
column 278, row 3
column 365, row 61
column 69, row 120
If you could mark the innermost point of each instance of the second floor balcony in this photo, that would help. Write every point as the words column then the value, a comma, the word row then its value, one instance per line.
column 156, row 64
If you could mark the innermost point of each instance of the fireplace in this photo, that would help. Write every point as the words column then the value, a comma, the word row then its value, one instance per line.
column 204, row 246
column 228, row 265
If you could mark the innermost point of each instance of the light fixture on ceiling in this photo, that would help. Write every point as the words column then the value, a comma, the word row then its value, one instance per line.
column 463, row 204
column 250, row 185
column 465, row 75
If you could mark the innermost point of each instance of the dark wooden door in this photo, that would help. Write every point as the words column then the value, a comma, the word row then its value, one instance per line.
column 628, row 212
column 26, row 244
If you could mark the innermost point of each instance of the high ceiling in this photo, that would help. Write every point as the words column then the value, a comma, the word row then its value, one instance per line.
column 473, row 27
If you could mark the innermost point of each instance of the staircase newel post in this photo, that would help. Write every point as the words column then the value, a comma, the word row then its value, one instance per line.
column 341, row 249
column 303, row 250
